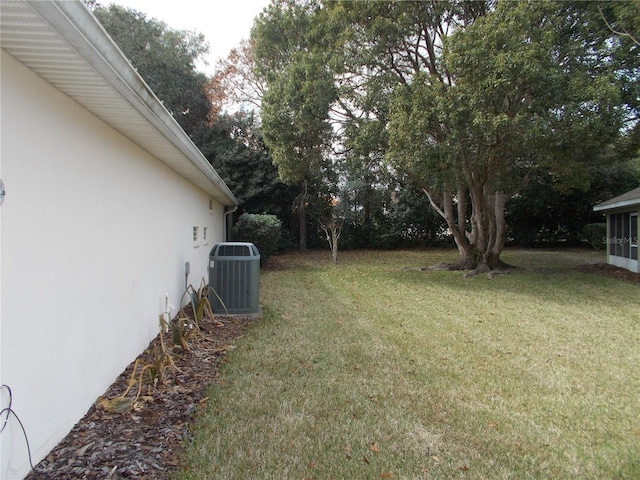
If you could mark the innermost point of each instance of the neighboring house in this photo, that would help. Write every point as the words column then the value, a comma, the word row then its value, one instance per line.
column 107, row 200
column 622, row 229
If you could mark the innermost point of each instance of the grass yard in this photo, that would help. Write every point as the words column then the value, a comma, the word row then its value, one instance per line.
column 367, row 370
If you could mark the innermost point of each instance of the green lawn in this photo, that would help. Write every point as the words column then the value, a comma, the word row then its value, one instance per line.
column 369, row 370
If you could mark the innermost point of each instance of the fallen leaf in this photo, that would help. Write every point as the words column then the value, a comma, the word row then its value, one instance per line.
column 435, row 458
column 387, row 475
column 117, row 405
column 365, row 460
column 374, row 447
column 81, row 451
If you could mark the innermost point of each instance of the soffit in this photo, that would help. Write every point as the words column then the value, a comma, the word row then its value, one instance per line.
column 64, row 44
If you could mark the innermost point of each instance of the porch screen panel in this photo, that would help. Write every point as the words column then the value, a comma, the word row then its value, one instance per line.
column 626, row 236
column 634, row 236
column 612, row 235
column 617, row 236
column 623, row 235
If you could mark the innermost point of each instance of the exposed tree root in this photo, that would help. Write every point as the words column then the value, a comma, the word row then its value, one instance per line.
column 492, row 274
column 450, row 267
column 504, row 269
column 480, row 269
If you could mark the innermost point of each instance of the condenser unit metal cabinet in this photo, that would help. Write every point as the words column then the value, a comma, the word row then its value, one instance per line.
column 234, row 276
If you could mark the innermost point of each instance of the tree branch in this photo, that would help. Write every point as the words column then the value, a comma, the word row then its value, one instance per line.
column 622, row 34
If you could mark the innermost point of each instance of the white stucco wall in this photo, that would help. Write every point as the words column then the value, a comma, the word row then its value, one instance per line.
column 94, row 233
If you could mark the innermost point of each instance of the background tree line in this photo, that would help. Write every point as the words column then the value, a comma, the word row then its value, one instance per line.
column 386, row 113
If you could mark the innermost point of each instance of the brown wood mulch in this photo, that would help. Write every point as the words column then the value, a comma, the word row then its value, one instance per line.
column 146, row 442
column 610, row 271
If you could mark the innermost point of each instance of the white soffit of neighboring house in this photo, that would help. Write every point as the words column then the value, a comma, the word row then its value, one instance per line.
column 64, row 44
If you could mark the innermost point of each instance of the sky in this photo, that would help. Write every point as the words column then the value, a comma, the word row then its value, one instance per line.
column 224, row 23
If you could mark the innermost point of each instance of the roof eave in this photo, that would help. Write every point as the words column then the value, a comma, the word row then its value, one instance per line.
column 626, row 200
column 616, row 205
column 80, row 28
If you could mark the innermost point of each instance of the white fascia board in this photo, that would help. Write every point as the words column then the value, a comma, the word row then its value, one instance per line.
column 617, row 205
column 81, row 29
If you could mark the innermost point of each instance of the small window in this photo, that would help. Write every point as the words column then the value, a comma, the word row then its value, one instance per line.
column 204, row 233
column 195, row 234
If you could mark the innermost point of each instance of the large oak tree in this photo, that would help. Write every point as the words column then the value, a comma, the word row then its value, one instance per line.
column 523, row 88
column 469, row 99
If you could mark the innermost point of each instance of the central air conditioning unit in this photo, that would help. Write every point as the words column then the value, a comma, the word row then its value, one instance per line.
column 234, row 276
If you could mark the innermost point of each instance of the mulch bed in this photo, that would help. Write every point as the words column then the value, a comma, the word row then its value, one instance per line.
column 610, row 271
column 146, row 442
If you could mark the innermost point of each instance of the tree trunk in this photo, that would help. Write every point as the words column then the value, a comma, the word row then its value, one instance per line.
column 332, row 229
column 465, row 247
column 495, row 230
column 481, row 247
column 302, row 221
column 334, row 245
column 500, row 237
column 302, row 216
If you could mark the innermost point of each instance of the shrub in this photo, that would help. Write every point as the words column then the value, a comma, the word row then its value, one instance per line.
column 262, row 230
column 594, row 234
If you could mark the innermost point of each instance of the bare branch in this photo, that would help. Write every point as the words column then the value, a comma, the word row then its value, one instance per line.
column 622, row 34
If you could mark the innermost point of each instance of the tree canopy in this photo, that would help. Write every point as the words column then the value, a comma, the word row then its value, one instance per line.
column 234, row 146
column 299, row 94
column 165, row 58
column 470, row 100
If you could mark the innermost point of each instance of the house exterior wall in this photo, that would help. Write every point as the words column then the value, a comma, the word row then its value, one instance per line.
column 622, row 249
column 94, row 233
